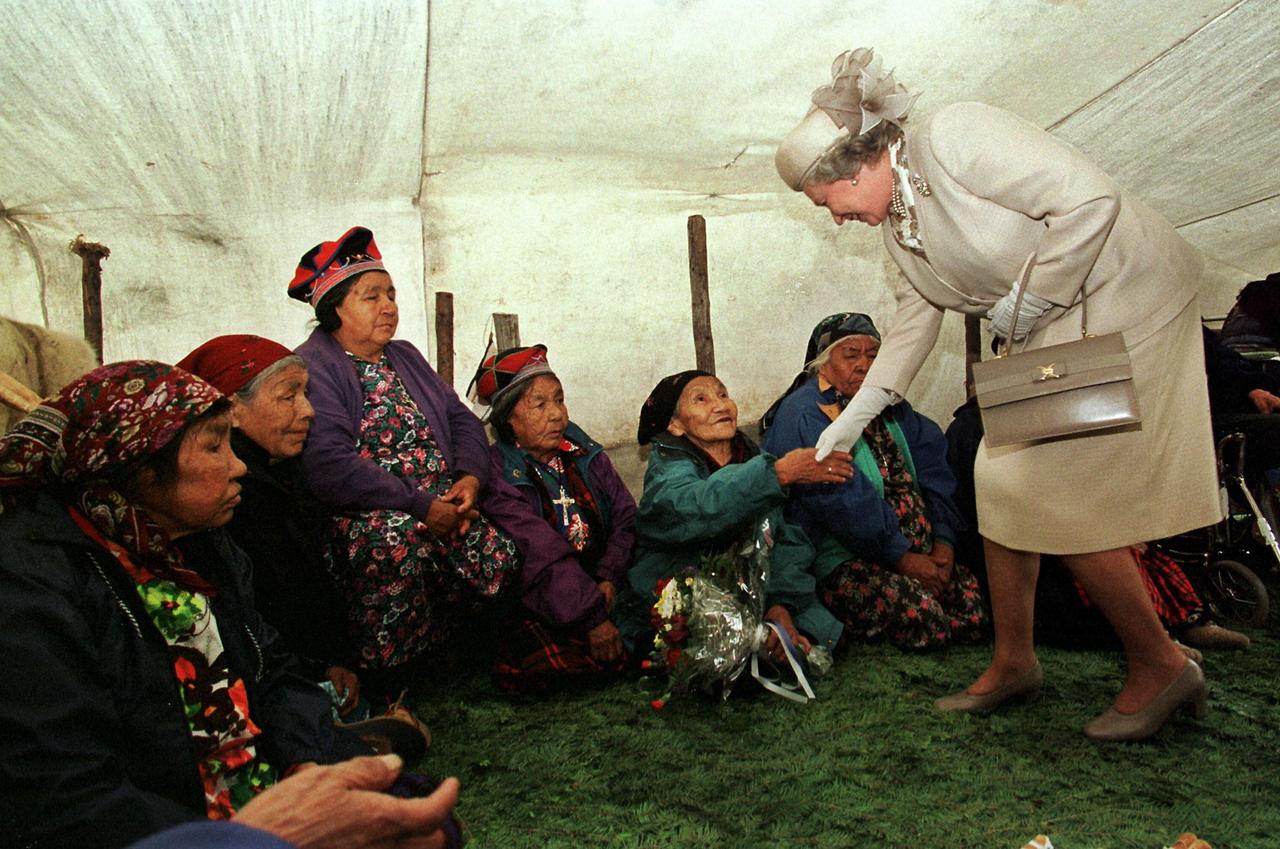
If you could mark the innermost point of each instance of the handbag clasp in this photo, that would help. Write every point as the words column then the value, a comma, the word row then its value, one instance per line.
column 1048, row 372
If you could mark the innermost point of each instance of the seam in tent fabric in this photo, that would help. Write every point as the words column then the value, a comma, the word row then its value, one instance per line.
column 1214, row 215
column 1154, row 60
column 427, row 305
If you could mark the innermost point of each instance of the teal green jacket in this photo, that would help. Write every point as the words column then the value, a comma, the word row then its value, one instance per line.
column 687, row 511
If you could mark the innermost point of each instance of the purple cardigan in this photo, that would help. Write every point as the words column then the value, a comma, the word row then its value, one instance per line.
column 334, row 469
column 553, row 584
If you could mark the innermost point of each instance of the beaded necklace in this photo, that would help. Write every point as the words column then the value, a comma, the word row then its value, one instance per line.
column 902, row 202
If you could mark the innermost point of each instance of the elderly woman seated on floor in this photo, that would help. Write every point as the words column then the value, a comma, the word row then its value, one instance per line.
column 885, row 538
column 401, row 464
column 279, row 524
column 706, row 482
column 578, row 531
column 145, row 690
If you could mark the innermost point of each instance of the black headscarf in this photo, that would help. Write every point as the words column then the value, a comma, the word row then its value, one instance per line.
column 829, row 331
column 660, row 406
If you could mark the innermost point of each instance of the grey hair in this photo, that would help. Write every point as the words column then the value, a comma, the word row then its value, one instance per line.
column 816, row 364
column 844, row 158
column 500, row 412
column 245, row 394
column 499, row 417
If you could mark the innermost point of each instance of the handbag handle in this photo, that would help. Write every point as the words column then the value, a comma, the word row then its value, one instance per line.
column 1023, row 277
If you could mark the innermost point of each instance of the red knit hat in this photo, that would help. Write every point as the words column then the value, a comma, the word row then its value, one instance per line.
column 329, row 263
column 509, row 368
column 230, row 362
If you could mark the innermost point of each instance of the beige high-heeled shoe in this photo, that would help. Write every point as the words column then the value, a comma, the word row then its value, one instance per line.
column 1027, row 685
column 1188, row 691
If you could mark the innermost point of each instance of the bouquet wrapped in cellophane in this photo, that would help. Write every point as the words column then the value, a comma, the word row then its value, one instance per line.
column 709, row 621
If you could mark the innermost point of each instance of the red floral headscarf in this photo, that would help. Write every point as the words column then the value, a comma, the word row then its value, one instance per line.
column 94, row 432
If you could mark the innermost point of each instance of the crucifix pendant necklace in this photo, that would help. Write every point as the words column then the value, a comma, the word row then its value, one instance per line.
column 564, row 502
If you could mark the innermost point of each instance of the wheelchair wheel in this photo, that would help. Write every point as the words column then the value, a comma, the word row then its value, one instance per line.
column 1236, row 595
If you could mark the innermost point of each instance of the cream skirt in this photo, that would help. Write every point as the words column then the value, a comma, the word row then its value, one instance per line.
column 1088, row 493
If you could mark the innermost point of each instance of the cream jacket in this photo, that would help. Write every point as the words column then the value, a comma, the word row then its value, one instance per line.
column 1001, row 188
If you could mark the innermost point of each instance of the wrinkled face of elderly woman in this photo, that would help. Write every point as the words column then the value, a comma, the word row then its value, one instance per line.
column 848, row 362
column 278, row 415
column 864, row 197
column 369, row 315
column 705, row 414
column 539, row 418
column 205, row 489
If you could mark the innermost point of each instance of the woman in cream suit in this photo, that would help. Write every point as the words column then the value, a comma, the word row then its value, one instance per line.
column 965, row 197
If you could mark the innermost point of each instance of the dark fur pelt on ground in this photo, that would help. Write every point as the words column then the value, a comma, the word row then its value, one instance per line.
column 44, row 360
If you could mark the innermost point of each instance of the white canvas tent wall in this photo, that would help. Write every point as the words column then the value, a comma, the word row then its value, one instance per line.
column 542, row 157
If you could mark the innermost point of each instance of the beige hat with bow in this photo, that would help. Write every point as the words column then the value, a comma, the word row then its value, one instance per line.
column 860, row 96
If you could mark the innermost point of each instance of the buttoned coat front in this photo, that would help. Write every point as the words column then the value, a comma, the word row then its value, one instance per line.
column 998, row 190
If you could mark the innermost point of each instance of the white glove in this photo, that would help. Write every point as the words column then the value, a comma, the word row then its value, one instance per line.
column 1002, row 314
column 865, row 405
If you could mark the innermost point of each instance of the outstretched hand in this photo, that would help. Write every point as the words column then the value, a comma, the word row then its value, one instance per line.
column 867, row 403
column 801, row 465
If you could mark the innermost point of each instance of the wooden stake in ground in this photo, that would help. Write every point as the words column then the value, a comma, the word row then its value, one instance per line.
column 506, row 330
column 91, row 256
column 704, row 348
column 444, row 336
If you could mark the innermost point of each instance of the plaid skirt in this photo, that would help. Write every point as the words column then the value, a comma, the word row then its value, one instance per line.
column 534, row 658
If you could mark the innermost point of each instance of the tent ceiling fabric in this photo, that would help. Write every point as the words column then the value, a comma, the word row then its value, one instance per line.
column 541, row 157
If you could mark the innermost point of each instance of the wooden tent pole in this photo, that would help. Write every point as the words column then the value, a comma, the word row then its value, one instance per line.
column 91, row 256
column 506, row 330
column 444, row 336
column 703, row 345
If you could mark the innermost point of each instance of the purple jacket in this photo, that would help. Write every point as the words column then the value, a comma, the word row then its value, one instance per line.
column 554, row 586
column 334, row 469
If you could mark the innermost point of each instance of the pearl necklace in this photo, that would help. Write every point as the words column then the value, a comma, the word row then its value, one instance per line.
column 902, row 201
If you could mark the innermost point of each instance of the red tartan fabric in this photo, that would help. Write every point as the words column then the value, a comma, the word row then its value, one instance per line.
column 534, row 659
column 1176, row 602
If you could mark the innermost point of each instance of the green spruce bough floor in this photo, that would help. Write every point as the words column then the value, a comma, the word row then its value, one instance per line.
column 869, row 764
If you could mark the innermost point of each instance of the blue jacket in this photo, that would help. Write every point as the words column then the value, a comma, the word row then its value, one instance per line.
column 853, row 519
column 687, row 511
column 94, row 747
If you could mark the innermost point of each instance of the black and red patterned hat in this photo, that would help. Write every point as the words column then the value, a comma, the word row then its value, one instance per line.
column 506, row 370
column 329, row 263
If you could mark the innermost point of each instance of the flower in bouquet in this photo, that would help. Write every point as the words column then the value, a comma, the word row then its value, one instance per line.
column 670, row 614
column 669, row 617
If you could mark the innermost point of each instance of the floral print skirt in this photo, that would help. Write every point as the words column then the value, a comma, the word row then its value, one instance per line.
column 874, row 601
column 408, row 590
